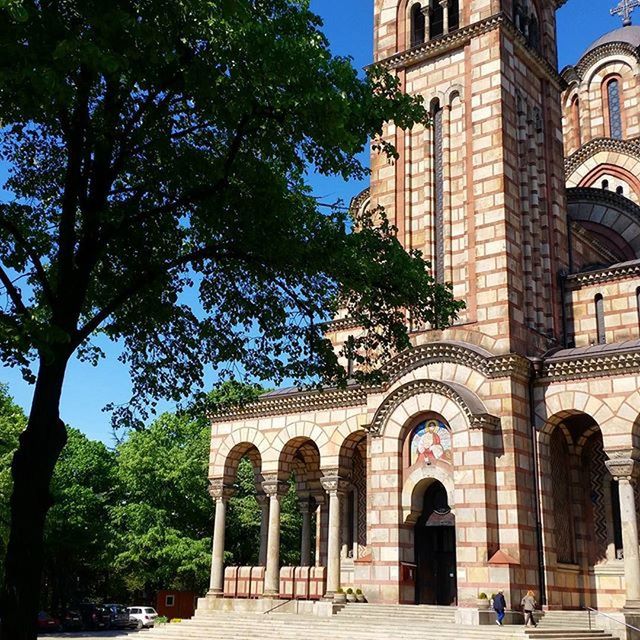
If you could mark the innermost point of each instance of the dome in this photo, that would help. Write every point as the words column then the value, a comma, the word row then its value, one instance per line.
column 629, row 35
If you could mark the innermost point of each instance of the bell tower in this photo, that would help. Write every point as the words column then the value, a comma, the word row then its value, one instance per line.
column 481, row 190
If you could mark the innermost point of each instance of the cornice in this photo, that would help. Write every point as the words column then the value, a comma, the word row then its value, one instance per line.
column 460, row 37
column 578, row 71
column 341, row 324
column 578, row 157
column 608, row 274
column 295, row 402
column 583, row 366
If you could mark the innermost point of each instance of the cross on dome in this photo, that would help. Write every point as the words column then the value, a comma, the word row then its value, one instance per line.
column 625, row 9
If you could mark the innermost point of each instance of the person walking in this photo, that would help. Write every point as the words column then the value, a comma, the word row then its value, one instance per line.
column 499, row 605
column 529, row 605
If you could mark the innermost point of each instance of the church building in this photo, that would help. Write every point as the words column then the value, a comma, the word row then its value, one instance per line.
column 504, row 451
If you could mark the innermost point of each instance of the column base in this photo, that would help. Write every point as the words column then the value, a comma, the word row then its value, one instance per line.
column 271, row 593
column 632, row 605
column 215, row 593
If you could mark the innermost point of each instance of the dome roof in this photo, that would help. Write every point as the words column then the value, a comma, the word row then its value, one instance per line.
column 629, row 35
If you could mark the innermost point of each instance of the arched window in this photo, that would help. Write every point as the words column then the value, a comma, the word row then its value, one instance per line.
column 614, row 108
column 599, row 304
column 417, row 25
column 575, row 121
column 430, row 442
column 436, row 23
column 525, row 17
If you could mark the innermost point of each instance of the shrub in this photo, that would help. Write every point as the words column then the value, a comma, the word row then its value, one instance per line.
column 161, row 620
column 349, row 590
column 358, row 592
column 482, row 596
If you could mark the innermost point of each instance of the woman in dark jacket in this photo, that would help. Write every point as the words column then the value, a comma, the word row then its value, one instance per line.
column 499, row 605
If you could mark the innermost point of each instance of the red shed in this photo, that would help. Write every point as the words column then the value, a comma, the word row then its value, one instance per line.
column 176, row 604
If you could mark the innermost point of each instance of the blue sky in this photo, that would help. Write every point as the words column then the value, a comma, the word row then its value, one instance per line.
column 349, row 26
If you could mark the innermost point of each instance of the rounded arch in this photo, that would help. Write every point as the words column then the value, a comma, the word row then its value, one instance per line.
column 236, row 454
column 602, row 68
column 347, row 450
column 299, row 455
column 415, row 487
column 304, row 430
column 560, row 403
column 459, row 406
column 455, row 91
column 612, row 218
column 236, row 441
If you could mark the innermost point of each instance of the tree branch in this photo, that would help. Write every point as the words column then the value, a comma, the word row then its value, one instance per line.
column 14, row 294
column 12, row 228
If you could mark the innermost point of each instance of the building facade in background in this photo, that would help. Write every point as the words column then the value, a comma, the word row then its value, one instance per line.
column 501, row 452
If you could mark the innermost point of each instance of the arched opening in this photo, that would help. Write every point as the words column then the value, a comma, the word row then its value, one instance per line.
column 303, row 534
column 436, row 23
column 435, row 549
column 245, row 526
column 612, row 100
column 575, row 121
column 526, row 20
column 600, row 326
column 417, row 25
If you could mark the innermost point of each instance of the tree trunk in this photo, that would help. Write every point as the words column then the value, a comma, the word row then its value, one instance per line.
column 32, row 468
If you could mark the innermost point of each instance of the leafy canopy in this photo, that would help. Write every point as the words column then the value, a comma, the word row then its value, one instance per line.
column 158, row 146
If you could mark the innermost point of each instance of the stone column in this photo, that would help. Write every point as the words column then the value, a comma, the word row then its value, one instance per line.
column 263, row 501
column 274, row 489
column 624, row 470
column 426, row 12
column 344, row 525
column 305, row 544
column 221, row 494
column 445, row 16
column 334, row 486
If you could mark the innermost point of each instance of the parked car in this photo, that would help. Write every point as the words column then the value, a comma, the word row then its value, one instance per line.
column 70, row 619
column 118, row 616
column 143, row 616
column 48, row 623
column 94, row 616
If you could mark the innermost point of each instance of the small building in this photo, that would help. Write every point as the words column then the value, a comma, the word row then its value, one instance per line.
column 176, row 604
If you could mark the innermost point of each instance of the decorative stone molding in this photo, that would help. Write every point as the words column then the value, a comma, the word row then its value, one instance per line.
column 602, row 196
column 274, row 487
column 341, row 324
column 460, row 37
column 335, row 484
column 582, row 365
column 295, row 402
column 501, row 366
column 357, row 202
column 576, row 73
column 623, row 467
column 471, row 405
column 220, row 491
column 579, row 157
column 608, row 274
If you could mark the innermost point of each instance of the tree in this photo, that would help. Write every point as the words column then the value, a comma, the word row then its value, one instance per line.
column 78, row 527
column 159, row 146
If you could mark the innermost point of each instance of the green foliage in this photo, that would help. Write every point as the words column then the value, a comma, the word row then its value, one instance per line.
column 12, row 423
column 150, row 142
column 482, row 596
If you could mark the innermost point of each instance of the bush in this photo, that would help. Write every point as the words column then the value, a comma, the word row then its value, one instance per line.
column 349, row 590
column 358, row 592
column 161, row 620
column 482, row 596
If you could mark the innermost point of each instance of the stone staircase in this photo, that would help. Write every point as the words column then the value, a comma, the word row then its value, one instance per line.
column 357, row 622
column 567, row 619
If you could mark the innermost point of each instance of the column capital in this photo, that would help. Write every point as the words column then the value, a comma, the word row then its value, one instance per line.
column 335, row 484
column 445, row 3
column 426, row 11
column 262, row 499
column 274, row 487
column 218, row 490
column 305, row 504
column 623, row 468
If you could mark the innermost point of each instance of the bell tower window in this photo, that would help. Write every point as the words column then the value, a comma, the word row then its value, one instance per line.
column 525, row 17
column 417, row 25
